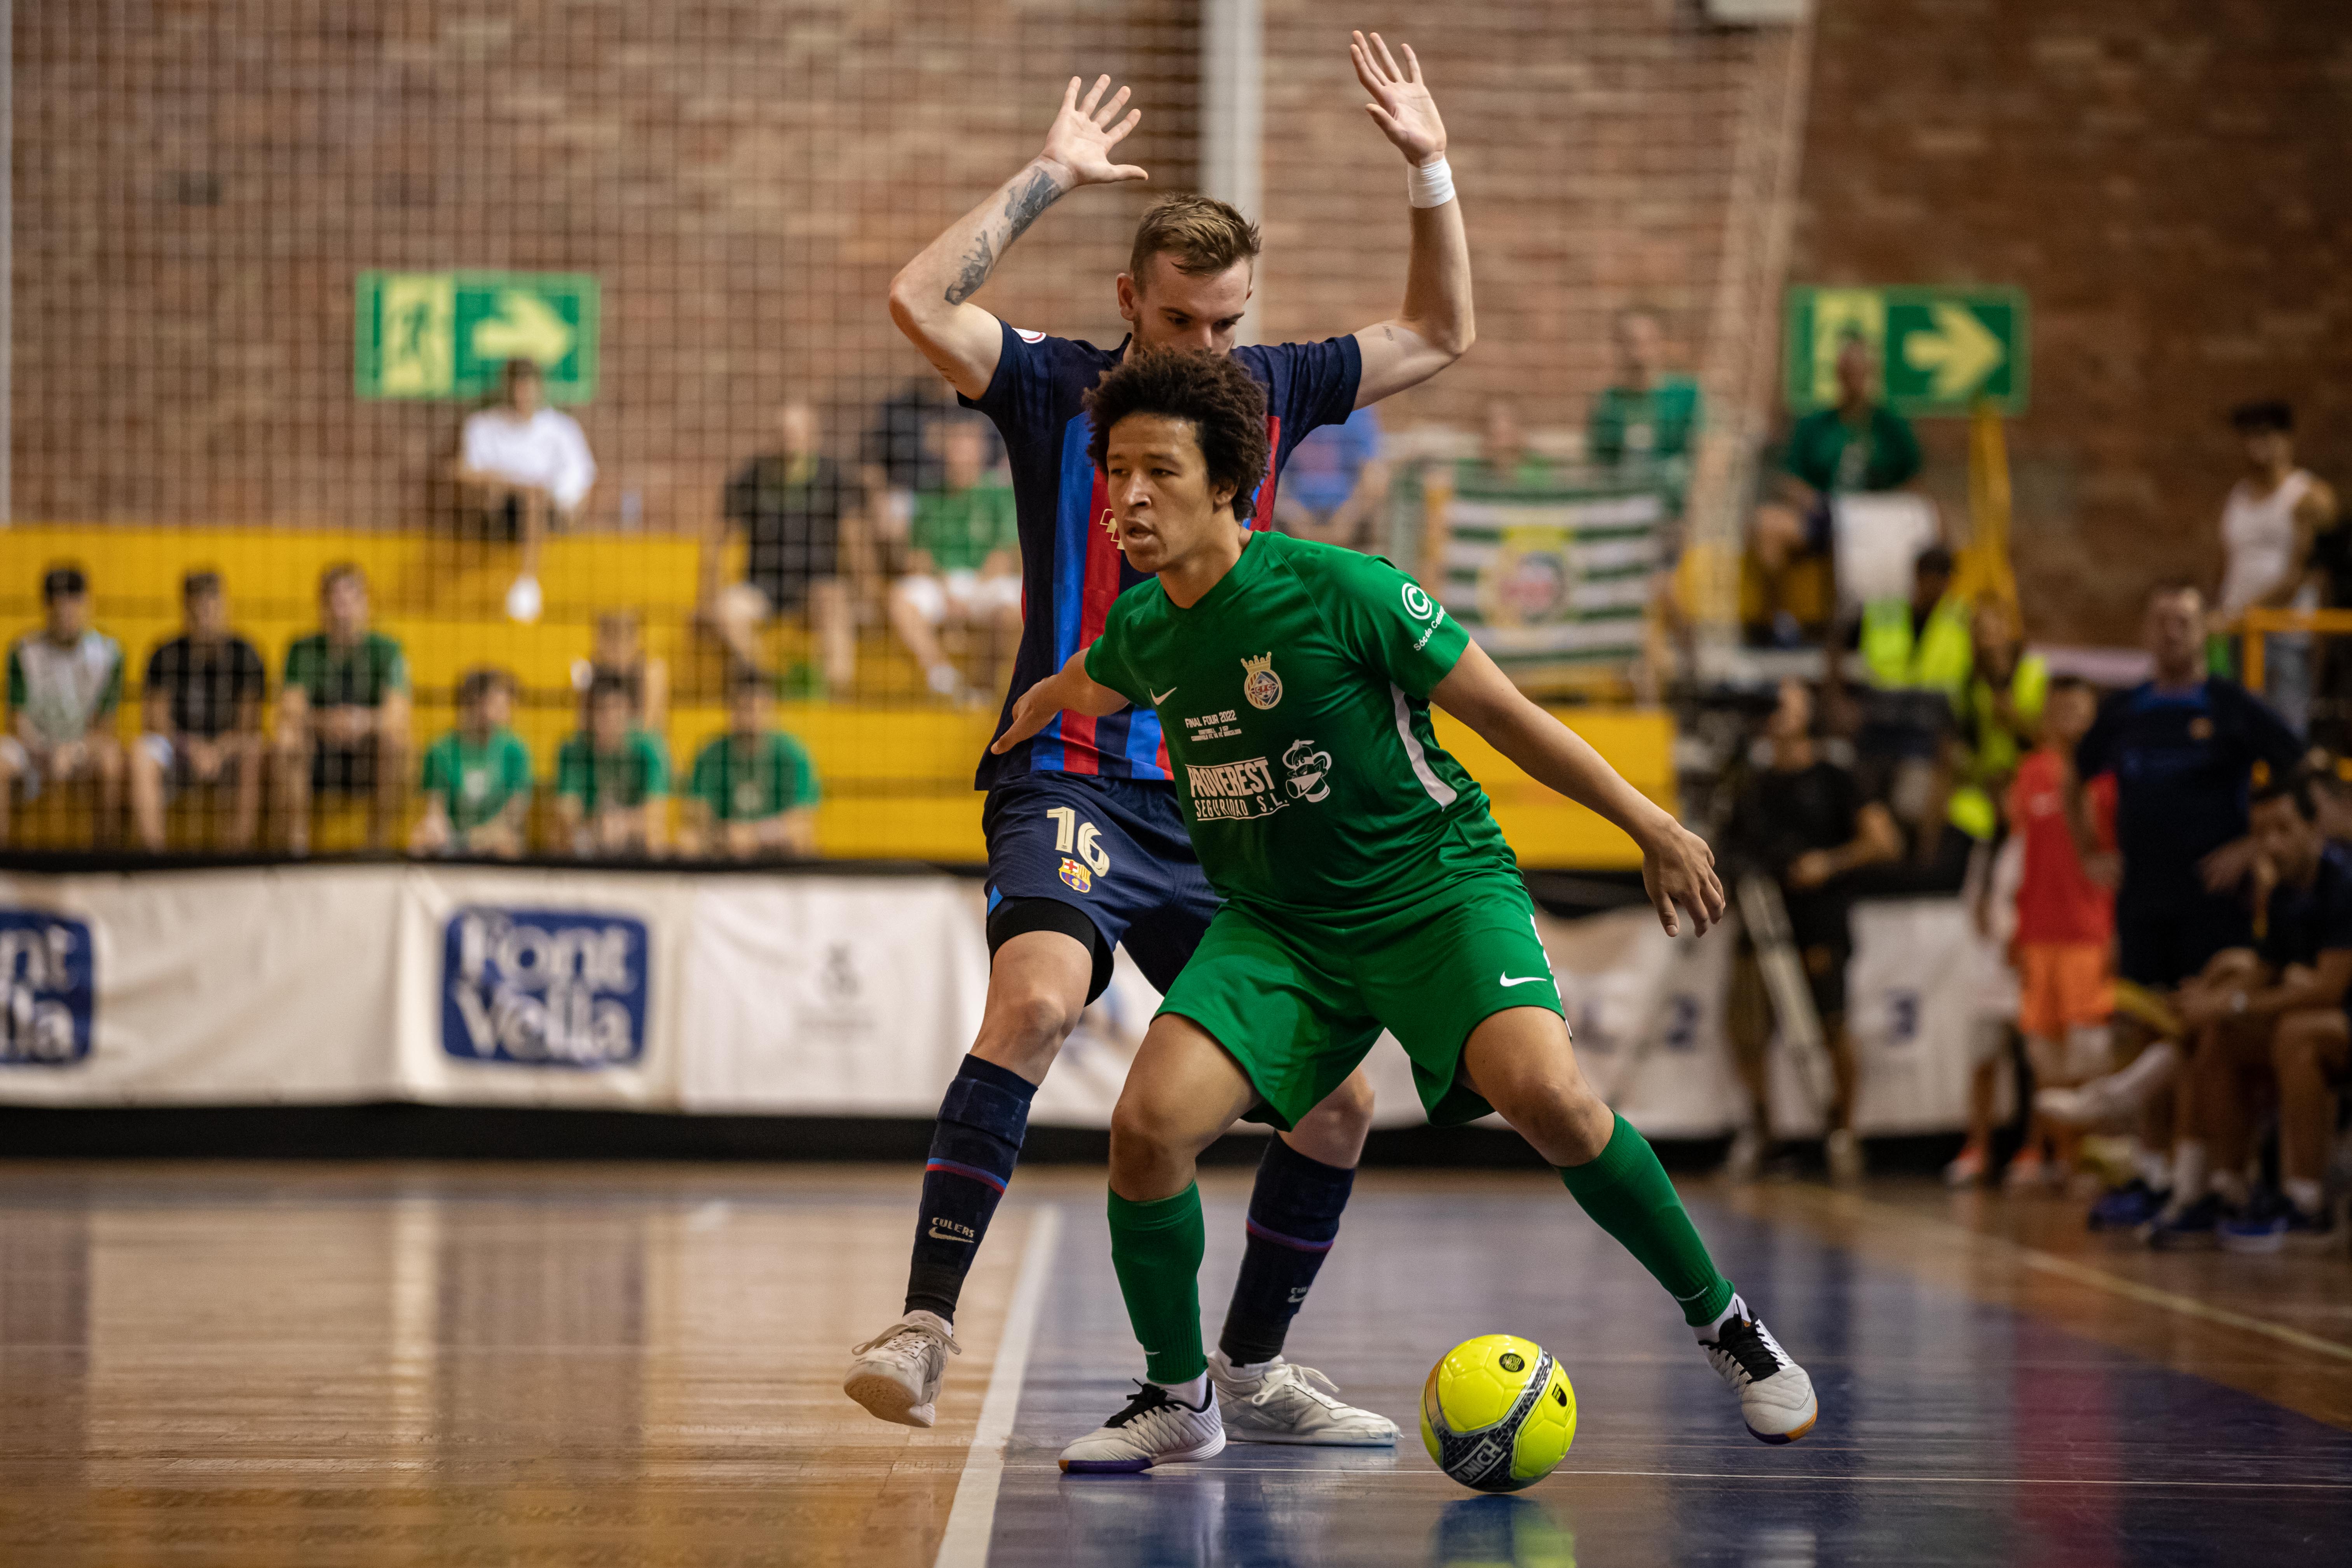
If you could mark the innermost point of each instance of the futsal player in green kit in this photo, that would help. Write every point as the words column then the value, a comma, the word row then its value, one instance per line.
column 1365, row 886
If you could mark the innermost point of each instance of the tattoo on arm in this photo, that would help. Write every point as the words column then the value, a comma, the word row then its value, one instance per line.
column 1021, row 209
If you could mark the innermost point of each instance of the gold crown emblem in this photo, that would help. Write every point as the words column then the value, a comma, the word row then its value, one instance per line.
column 1261, row 665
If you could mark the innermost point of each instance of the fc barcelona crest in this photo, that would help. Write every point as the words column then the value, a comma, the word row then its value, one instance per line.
column 1259, row 682
column 1077, row 875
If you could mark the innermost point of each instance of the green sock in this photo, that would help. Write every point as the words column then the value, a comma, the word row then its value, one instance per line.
column 1626, row 1192
column 1156, row 1246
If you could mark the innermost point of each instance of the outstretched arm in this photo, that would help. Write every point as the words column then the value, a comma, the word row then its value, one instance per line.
column 1677, row 868
column 930, row 297
column 1068, row 687
column 1435, row 326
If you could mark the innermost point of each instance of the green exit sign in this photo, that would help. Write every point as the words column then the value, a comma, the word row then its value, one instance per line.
column 1938, row 349
column 448, row 334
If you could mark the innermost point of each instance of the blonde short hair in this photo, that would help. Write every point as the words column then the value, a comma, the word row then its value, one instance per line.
column 1204, row 235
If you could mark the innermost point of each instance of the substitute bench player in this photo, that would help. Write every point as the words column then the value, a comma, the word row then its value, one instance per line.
column 1086, row 846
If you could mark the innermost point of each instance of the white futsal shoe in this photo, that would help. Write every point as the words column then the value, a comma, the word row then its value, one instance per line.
column 897, row 1374
column 1776, row 1397
column 1156, row 1428
column 1276, row 1402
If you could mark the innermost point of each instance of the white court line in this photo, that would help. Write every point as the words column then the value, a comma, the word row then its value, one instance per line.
column 973, row 1519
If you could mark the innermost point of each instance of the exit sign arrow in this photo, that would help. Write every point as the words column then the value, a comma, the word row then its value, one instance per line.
column 1939, row 350
column 1958, row 354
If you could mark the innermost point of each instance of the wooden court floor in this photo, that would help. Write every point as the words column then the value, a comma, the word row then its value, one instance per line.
column 516, row 1365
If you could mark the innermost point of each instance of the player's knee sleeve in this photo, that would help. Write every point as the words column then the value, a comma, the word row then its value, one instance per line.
column 983, row 1118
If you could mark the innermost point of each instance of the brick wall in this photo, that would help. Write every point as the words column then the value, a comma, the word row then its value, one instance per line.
column 2167, row 179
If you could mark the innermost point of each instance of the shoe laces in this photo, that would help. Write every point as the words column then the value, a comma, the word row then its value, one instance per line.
column 909, row 1339
column 1148, row 1401
column 1745, row 1352
column 1305, row 1381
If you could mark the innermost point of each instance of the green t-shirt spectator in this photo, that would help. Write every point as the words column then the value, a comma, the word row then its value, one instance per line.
column 478, row 781
column 358, row 676
column 1835, row 459
column 751, row 781
column 959, row 530
column 638, row 773
column 65, row 691
column 1655, row 426
column 1480, row 477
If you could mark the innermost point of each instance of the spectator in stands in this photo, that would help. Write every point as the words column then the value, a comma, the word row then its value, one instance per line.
column 1505, row 460
column 342, row 714
column 1918, row 652
column 753, row 793
column 201, row 700
column 1858, row 444
column 1335, row 482
column 1647, row 417
column 619, row 651
column 526, row 466
column 964, row 563
column 2283, row 997
column 611, row 781
column 2000, row 715
column 899, row 456
column 2182, row 747
column 799, row 514
column 2269, row 522
column 65, row 684
column 1804, row 823
column 478, row 777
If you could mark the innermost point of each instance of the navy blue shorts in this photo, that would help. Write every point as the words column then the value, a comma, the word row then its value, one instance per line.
column 1115, row 851
column 2165, row 935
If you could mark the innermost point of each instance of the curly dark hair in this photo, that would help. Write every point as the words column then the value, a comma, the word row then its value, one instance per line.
column 1224, row 404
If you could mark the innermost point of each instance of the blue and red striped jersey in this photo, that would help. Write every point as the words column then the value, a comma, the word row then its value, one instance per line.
column 1071, row 568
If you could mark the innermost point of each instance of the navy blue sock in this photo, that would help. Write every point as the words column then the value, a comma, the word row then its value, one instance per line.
column 978, row 1138
column 1294, row 1218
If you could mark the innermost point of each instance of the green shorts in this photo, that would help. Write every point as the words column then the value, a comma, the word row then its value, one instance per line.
column 1298, row 1002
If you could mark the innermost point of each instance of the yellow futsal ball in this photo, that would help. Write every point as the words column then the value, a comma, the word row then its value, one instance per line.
column 1498, row 1413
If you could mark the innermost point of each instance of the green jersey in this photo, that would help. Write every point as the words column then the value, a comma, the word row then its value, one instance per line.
column 959, row 529
column 355, row 677
column 1835, row 458
column 1295, row 700
column 750, row 780
column 1653, row 425
column 477, row 781
column 599, row 780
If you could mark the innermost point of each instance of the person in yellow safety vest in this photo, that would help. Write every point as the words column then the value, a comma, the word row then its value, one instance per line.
column 2002, row 714
column 1920, row 643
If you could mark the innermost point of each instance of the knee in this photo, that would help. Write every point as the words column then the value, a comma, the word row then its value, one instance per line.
column 1027, row 1025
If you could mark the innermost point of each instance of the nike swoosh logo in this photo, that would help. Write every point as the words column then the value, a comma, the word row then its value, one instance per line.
column 1526, row 980
column 939, row 1235
column 1159, row 697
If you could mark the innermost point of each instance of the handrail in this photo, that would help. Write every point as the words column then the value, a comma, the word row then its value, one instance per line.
column 2263, row 618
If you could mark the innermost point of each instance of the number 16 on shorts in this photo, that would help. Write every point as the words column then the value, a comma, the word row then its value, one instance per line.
column 1070, row 834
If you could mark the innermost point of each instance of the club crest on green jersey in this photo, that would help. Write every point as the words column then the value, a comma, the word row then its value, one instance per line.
column 1260, row 685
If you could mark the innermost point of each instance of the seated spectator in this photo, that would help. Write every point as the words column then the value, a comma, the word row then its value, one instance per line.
column 611, row 781
column 65, row 683
column 899, row 455
column 1804, row 823
column 799, row 518
column 529, row 467
column 964, row 562
column 1859, row 444
column 753, row 793
column 201, row 700
column 1332, row 488
column 1647, row 417
column 1505, row 462
column 2270, row 523
column 477, row 776
column 619, row 651
column 342, row 714
column 2274, row 1009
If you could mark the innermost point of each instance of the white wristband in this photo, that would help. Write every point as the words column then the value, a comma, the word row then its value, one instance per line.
column 1429, row 185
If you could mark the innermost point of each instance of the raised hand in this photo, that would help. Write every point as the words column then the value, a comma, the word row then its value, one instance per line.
column 1401, row 105
column 1079, row 146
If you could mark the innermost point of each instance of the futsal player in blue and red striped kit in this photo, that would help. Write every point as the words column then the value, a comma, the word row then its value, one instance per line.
column 1085, row 846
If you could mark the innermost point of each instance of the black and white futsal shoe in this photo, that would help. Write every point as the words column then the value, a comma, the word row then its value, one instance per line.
column 897, row 1374
column 1776, row 1397
column 1156, row 1428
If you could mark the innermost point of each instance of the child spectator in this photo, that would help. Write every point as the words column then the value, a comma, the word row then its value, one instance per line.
column 753, row 793
column 2065, row 923
column 611, row 781
column 343, row 715
column 477, row 776
column 65, row 683
column 203, row 698
column 965, row 555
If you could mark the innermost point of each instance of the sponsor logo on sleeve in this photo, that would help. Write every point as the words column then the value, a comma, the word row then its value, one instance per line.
column 46, row 966
column 1026, row 336
column 1422, row 607
column 553, row 988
